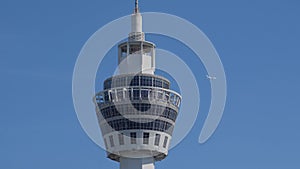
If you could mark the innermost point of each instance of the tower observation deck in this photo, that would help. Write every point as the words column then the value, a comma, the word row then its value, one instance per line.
column 137, row 109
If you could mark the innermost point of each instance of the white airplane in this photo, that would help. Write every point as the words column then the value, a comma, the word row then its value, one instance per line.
column 211, row 77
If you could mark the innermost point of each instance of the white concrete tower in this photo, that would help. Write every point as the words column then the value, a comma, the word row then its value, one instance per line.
column 136, row 109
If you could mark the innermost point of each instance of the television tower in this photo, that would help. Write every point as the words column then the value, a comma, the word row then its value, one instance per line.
column 137, row 109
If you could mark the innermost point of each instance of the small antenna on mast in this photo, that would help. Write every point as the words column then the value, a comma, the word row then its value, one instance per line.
column 136, row 10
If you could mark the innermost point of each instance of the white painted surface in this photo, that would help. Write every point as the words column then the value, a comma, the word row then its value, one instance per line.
column 136, row 22
column 137, row 163
column 138, row 150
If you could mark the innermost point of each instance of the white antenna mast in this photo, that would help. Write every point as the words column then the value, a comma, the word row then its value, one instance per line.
column 136, row 25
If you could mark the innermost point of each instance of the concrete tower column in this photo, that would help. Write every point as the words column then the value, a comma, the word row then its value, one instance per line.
column 136, row 163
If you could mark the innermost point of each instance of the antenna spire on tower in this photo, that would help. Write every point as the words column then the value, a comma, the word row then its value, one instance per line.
column 136, row 10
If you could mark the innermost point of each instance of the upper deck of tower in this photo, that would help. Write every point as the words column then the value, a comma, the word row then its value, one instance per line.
column 136, row 55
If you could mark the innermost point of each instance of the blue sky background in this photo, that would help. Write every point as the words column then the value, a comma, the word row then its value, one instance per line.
column 257, row 40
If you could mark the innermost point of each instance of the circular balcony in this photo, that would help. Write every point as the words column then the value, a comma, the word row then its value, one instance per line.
column 137, row 115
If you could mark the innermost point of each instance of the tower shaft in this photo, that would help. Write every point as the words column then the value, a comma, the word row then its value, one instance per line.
column 137, row 163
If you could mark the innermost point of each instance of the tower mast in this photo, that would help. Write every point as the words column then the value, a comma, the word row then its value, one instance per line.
column 136, row 25
column 136, row 9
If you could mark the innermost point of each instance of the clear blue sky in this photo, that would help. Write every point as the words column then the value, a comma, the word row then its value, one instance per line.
column 257, row 40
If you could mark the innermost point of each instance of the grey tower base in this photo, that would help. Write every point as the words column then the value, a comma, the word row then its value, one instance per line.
column 136, row 163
